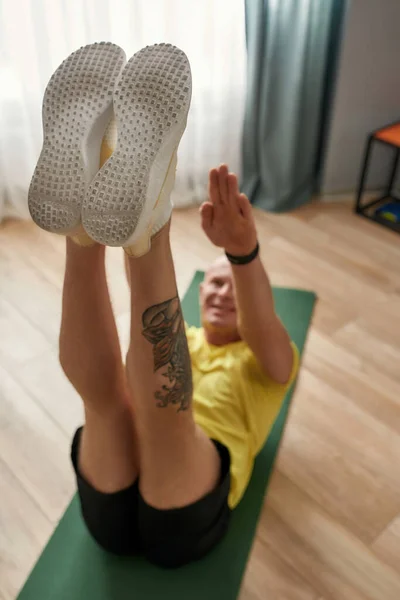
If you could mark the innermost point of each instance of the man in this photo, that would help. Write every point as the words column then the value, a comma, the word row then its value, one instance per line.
column 170, row 438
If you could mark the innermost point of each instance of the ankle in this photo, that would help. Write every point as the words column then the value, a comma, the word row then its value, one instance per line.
column 147, row 247
column 162, row 235
column 159, row 254
column 83, row 252
column 82, row 239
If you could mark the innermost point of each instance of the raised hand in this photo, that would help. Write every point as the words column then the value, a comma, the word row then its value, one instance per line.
column 227, row 218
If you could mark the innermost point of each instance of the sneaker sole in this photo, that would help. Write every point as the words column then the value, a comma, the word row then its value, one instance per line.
column 77, row 107
column 151, row 103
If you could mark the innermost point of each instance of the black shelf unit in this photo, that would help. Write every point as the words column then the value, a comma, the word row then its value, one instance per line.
column 367, row 210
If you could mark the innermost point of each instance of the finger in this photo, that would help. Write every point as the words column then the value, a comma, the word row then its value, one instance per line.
column 233, row 188
column 245, row 206
column 223, row 184
column 213, row 187
column 207, row 215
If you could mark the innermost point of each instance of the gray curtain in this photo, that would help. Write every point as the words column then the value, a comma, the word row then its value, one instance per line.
column 292, row 48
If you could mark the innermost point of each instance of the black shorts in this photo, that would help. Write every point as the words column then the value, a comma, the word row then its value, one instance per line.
column 123, row 523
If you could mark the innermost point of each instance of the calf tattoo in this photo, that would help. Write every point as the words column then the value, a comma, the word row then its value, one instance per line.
column 164, row 328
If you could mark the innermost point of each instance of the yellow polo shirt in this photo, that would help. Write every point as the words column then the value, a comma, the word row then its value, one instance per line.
column 234, row 401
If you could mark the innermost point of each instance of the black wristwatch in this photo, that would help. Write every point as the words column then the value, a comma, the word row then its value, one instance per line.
column 243, row 260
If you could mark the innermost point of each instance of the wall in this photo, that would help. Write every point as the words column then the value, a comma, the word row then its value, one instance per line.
column 367, row 93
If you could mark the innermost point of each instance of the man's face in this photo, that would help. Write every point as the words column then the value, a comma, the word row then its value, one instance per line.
column 217, row 300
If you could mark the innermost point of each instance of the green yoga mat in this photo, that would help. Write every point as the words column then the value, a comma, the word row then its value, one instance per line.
column 73, row 567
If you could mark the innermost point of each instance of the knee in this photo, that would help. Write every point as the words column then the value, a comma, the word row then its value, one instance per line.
column 93, row 380
column 66, row 361
column 71, row 361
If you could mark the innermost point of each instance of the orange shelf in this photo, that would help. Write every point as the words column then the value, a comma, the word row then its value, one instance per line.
column 390, row 135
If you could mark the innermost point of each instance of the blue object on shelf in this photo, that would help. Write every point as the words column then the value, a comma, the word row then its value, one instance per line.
column 389, row 211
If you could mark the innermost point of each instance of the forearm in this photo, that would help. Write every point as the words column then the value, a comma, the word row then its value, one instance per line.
column 259, row 326
column 228, row 221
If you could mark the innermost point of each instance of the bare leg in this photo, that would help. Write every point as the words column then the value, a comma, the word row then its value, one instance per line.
column 179, row 464
column 91, row 358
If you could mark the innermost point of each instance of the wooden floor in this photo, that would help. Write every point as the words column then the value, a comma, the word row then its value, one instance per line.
column 330, row 528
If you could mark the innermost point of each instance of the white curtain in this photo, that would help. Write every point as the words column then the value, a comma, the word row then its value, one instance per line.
column 36, row 35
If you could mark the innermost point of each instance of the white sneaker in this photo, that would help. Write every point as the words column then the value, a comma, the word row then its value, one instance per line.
column 128, row 201
column 77, row 107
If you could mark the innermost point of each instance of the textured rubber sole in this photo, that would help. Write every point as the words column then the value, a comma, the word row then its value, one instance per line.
column 77, row 107
column 151, row 103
